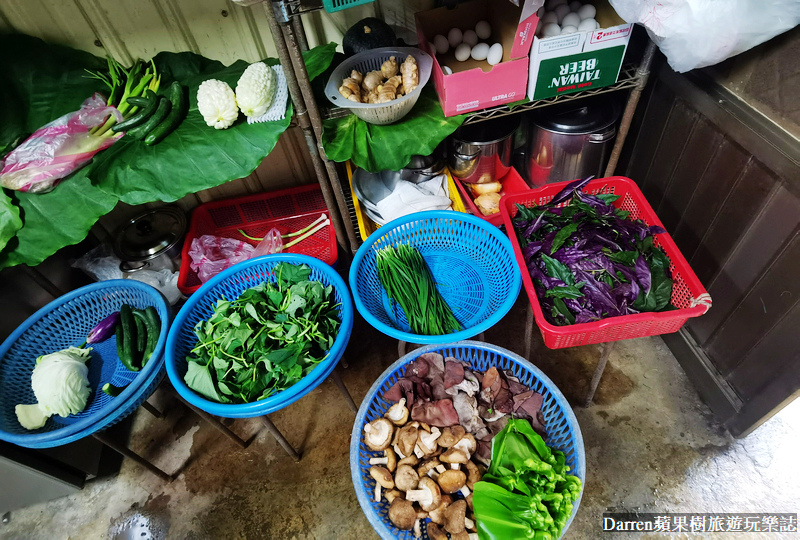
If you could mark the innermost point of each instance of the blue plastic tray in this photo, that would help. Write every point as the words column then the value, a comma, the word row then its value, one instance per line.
column 471, row 261
column 63, row 323
column 563, row 432
column 230, row 284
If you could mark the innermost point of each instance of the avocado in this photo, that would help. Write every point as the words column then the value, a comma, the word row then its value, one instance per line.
column 366, row 34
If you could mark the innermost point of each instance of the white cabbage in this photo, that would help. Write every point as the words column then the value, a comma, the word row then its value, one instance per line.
column 256, row 89
column 217, row 103
column 60, row 381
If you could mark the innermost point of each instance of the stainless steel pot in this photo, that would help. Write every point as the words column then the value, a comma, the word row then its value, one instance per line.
column 570, row 141
column 421, row 168
column 151, row 240
column 480, row 153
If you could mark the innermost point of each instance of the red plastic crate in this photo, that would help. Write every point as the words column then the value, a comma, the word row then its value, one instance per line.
column 512, row 183
column 689, row 297
column 287, row 210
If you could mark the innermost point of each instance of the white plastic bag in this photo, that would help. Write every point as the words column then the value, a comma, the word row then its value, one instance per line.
column 699, row 33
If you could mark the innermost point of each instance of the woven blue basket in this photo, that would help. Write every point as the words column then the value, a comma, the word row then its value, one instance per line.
column 230, row 284
column 471, row 261
column 64, row 323
column 563, row 432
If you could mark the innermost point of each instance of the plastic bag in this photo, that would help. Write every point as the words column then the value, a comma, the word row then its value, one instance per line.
column 699, row 33
column 212, row 254
column 59, row 148
column 164, row 280
column 100, row 264
column 272, row 243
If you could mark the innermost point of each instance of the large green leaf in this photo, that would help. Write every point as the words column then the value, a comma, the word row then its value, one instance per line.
column 56, row 219
column 10, row 221
column 376, row 148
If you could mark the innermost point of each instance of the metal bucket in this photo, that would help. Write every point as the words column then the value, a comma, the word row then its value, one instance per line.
column 480, row 153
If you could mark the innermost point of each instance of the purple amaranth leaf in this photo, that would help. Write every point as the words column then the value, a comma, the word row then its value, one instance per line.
column 570, row 188
column 532, row 249
column 655, row 229
column 643, row 274
column 585, row 316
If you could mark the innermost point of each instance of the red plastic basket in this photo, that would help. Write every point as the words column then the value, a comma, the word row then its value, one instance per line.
column 689, row 297
column 512, row 183
column 287, row 210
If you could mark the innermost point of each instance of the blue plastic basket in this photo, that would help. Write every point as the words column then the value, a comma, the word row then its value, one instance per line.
column 63, row 323
column 230, row 284
column 471, row 261
column 563, row 432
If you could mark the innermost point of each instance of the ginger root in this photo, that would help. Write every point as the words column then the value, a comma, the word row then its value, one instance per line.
column 371, row 81
column 356, row 76
column 410, row 72
column 389, row 68
column 389, row 90
column 351, row 90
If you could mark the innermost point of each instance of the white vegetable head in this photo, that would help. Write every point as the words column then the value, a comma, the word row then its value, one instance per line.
column 217, row 103
column 256, row 89
column 60, row 381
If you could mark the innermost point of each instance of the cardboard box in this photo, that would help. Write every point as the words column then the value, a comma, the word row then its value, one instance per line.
column 581, row 61
column 475, row 85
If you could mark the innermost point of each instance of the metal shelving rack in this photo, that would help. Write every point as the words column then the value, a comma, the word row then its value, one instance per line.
column 287, row 32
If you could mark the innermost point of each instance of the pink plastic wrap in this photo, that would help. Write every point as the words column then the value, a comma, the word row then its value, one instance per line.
column 272, row 243
column 57, row 149
column 212, row 254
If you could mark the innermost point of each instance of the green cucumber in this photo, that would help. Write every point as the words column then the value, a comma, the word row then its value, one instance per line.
column 112, row 390
column 153, row 324
column 140, row 117
column 141, row 330
column 175, row 116
column 126, row 337
column 139, row 101
column 140, row 132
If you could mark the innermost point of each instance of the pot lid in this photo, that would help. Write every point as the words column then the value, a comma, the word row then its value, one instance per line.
column 580, row 117
column 488, row 131
column 149, row 234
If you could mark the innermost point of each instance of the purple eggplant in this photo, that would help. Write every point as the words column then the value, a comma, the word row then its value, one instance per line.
column 103, row 330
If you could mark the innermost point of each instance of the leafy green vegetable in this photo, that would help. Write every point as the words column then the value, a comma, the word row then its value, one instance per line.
column 10, row 221
column 376, row 148
column 266, row 340
column 40, row 82
column 526, row 493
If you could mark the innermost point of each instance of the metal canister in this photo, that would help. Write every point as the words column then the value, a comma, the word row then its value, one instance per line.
column 151, row 240
column 481, row 152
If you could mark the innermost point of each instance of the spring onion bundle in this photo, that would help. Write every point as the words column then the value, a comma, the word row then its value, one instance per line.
column 407, row 280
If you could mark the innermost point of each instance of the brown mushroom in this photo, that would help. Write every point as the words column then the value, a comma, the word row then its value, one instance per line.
column 467, row 444
column 473, row 474
column 402, row 514
column 398, row 413
column 393, row 494
column 427, row 465
column 463, row 535
column 469, row 502
column 383, row 478
column 437, row 515
column 451, row 435
column 435, row 533
column 450, row 480
column 378, row 434
column 391, row 459
column 410, row 460
column 406, row 478
column 427, row 494
column 453, row 455
column 427, row 441
column 407, row 439
column 454, row 517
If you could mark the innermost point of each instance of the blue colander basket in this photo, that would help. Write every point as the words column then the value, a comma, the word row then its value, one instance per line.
column 64, row 323
column 230, row 284
column 563, row 432
column 471, row 261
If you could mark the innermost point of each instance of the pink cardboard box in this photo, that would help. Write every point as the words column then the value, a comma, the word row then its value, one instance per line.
column 476, row 85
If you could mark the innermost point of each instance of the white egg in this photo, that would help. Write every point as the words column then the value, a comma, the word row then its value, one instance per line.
column 549, row 17
column 561, row 11
column 454, row 36
column 441, row 44
column 447, row 70
column 470, row 38
column 569, row 29
column 571, row 19
column 551, row 29
column 495, row 54
column 540, row 12
column 483, row 29
column 587, row 12
column 462, row 52
column 588, row 25
column 575, row 5
column 480, row 51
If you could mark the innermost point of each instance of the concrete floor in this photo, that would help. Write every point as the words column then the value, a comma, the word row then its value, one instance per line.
column 651, row 445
